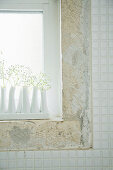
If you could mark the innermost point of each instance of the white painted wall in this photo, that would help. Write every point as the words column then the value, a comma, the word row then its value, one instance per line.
column 101, row 157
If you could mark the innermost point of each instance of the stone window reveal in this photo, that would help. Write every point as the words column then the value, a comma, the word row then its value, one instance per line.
column 75, row 131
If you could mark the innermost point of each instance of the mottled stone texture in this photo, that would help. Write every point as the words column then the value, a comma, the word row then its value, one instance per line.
column 39, row 135
column 76, row 45
column 75, row 50
column 75, row 131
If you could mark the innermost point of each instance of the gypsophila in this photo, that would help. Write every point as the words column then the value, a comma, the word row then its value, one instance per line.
column 19, row 75
column 43, row 81
column 3, row 73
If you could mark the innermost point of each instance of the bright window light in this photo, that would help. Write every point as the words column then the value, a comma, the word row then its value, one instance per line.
column 21, row 39
column 30, row 36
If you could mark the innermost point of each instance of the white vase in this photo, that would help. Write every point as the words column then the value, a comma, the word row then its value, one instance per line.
column 11, row 104
column 25, row 100
column 20, row 102
column 35, row 101
column 44, row 107
column 3, row 107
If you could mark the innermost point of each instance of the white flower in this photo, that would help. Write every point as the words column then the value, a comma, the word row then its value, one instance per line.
column 19, row 75
column 26, row 77
column 34, row 80
column 3, row 73
column 43, row 82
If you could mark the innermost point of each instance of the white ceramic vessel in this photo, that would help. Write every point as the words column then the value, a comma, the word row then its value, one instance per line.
column 11, row 103
column 44, row 107
column 3, row 107
column 19, row 105
column 25, row 100
column 35, row 101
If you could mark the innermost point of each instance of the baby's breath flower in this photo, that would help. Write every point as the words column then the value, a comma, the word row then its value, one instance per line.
column 43, row 82
column 3, row 73
column 19, row 75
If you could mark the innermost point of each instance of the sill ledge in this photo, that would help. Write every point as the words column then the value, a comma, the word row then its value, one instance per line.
column 28, row 116
column 23, row 116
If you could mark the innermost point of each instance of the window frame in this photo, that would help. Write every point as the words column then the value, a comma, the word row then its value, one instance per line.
column 43, row 6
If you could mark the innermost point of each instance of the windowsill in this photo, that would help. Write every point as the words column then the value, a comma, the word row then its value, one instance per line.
column 27, row 116
column 23, row 116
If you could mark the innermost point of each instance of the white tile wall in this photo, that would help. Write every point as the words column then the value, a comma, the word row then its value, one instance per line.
column 101, row 157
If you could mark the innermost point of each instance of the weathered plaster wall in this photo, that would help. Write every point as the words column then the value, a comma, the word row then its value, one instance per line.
column 75, row 130
column 76, row 45
column 39, row 135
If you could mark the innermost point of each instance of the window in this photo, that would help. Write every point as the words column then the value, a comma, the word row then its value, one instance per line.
column 30, row 41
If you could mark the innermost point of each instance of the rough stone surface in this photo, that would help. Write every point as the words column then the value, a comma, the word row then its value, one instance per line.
column 39, row 135
column 75, row 50
column 76, row 45
column 75, row 131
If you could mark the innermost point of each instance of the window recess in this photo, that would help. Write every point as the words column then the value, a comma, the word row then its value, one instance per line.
column 30, row 60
